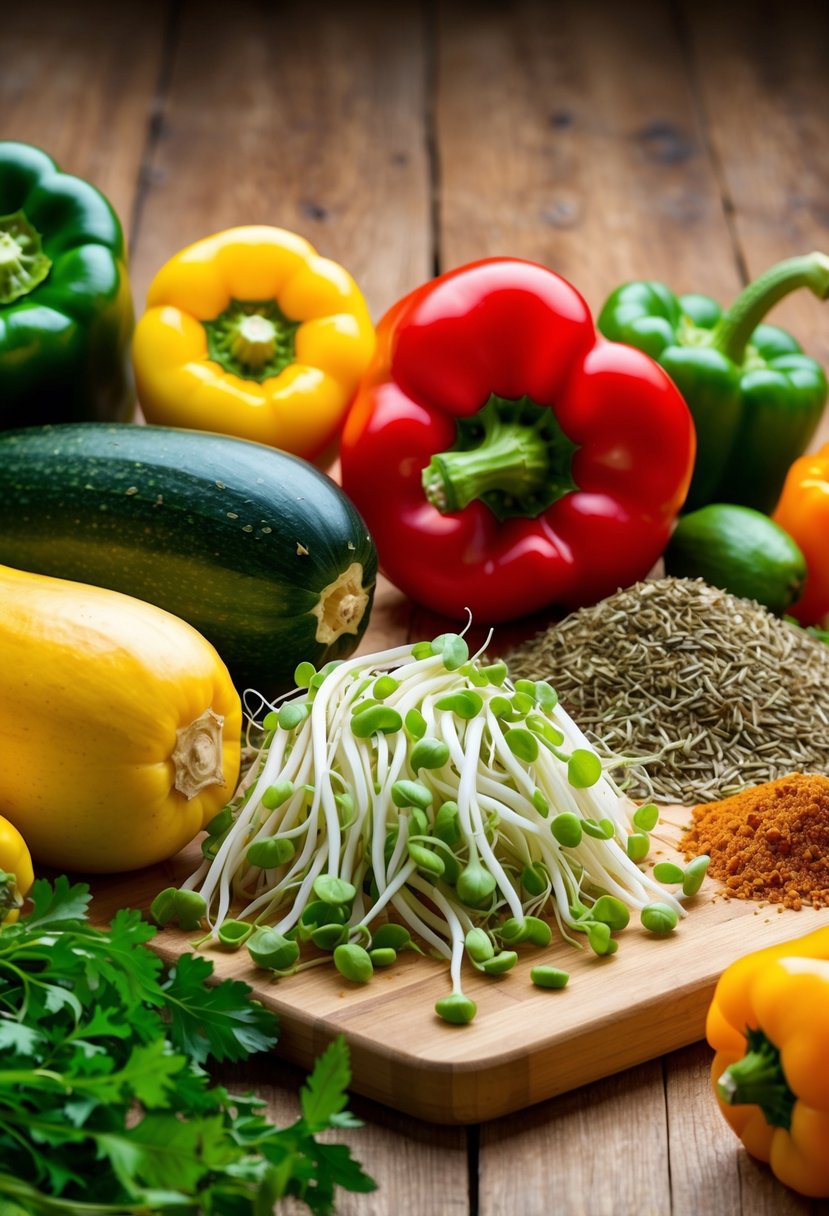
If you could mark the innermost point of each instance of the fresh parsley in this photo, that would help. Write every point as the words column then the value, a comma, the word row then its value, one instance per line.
column 105, row 1102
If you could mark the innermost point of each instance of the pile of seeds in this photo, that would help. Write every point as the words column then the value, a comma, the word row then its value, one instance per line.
column 713, row 691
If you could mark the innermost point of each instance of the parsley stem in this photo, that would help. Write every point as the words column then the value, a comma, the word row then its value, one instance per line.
column 37, row 1202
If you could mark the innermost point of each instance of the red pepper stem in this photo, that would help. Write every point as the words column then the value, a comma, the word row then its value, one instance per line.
column 758, row 1080
column 512, row 458
column 733, row 332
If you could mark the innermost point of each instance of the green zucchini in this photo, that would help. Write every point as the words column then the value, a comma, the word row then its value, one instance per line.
column 257, row 549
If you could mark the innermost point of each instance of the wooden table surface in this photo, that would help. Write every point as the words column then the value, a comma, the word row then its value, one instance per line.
column 676, row 141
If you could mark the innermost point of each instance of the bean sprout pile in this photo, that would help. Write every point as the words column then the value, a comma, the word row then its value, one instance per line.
column 418, row 798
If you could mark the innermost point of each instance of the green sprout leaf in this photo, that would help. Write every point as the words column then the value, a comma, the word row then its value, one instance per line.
column 659, row 918
column 694, row 874
column 522, row 744
column 549, row 977
column 456, row 1009
column 584, row 769
column 453, row 650
column 646, row 817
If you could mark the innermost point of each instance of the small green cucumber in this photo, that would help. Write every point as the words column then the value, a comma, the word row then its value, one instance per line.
column 740, row 550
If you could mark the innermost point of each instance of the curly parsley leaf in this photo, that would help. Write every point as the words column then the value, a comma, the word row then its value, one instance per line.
column 219, row 1020
column 55, row 905
column 324, row 1095
column 104, row 1102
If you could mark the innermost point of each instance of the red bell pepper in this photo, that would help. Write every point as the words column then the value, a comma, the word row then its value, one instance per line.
column 504, row 455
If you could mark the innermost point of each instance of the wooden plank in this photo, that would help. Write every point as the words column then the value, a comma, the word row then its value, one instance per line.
column 601, row 1151
column 525, row 1044
column 703, row 1148
column 710, row 1169
column 568, row 134
column 79, row 81
column 309, row 122
column 408, row 1160
column 764, row 90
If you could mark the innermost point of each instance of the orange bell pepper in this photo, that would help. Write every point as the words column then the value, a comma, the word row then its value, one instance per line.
column 803, row 512
column 769, row 1025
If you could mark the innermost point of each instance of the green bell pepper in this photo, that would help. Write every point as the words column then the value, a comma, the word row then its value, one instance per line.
column 755, row 397
column 66, row 316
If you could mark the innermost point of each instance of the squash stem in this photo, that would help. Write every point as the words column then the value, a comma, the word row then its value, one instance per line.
column 341, row 605
column 198, row 754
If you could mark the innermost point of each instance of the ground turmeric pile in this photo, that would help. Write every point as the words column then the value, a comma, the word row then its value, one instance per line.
column 769, row 842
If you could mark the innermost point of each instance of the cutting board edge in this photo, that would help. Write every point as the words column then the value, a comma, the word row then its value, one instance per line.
column 448, row 1092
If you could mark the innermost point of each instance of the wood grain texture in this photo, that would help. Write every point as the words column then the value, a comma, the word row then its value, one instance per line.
column 81, row 82
column 307, row 121
column 562, row 1155
column 525, row 1044
column 569, row 134
column 764, row 92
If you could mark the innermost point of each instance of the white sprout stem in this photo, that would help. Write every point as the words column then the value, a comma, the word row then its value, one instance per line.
column 400, row 845
column 301, row 897
column 458, row 757
column 497, row 795
column 402, row 876
column 455, row 929
column 520, row 775
column 401, row 902
column 467, row 794
column 236, row 842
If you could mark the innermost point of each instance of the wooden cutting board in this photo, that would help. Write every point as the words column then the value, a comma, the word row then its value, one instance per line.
column 525, row 1044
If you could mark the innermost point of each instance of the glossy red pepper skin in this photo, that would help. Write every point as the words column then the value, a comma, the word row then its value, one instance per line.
column 514, row 328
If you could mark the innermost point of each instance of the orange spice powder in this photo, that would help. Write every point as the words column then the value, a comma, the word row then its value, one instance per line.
column 768, row 842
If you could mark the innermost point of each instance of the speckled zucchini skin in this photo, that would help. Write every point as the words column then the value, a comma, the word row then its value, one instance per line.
column 235, row 537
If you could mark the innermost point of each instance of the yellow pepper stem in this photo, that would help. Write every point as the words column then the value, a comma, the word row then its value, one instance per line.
column 9, row 895
column 758, row 1080
column 252, row 339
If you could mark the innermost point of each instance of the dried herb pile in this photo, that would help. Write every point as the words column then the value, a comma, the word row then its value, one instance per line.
column 715, row 690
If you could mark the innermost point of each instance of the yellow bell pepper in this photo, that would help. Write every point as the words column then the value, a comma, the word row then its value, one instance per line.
column 769, row 1025
column 803, row 512
column 16, row 873
column 251, row 333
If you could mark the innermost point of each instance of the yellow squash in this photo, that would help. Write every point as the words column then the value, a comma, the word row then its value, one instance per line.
column 119, row 725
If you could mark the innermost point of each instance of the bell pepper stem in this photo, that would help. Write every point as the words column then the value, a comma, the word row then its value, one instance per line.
column 733, row 332
column 254, row 341
column 251, row 339
column 511, row 458
column 511, row 454
column 9, row 896
column 758, row 1080
column 23, row 264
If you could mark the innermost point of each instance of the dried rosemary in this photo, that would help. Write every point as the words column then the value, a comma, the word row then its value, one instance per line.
column 717, row 692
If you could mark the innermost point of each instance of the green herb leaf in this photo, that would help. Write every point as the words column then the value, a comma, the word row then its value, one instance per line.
column 324, row 1095
column 218, row 1020
column 105, row 1105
